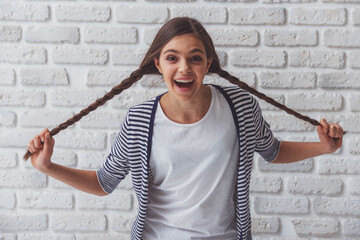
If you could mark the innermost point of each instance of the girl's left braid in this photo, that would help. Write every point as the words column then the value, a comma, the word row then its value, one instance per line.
column 125, row 84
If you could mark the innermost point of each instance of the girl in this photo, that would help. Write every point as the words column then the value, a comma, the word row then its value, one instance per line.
column 189, row 150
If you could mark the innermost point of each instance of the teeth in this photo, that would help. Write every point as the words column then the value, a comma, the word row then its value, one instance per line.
column 184, row 81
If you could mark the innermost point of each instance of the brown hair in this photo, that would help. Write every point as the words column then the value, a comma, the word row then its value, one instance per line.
column 172, row 28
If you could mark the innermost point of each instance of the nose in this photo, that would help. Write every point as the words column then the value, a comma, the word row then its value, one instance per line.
column 184, row 66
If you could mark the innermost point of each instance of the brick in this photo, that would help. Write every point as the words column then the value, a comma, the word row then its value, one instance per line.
column 78, row 222
column 43, row 118
column 290, row 38
column 293, row 80
column 7, row 118
column 29, row 98
column 59, row 185
column 45, row 236
column 258, row 58
column 279, row 238
column 281, row 205
column 314, row 185
column 265, row 225
column 149, row 34
column 22, row 179
column 7, row 200
column 131, row 98
column 341, row 38
column 300, row 166
column 20, row 55
column 7, row 77
column 116, row 201
column 337, row 206
column 317, row 59
column 80, row 55
column 127, row 185
column 265, row 184
column 64, row 158
column 248, row 77
column 23, row 222
column 8, row 159
column 70, row 98
column 24, row 12
column 349, row 80
column 354, row 145
column 202, row 14
column 352, row 227
column 122, row 223
column 10, row 33
column 110, row 35
column 141, row 14
column 45, row 200
column 354, row 100
column 53, row 77
column 104, row 120
column 14, row 138
column 82, row 13
column 128, row 56
column 315, row 101
column 354, row 186
column 316, row 227
column 339, row 166
column 92, row 159
column 257, row 16
column 286, row 122
column 234, row 37
column 317, row 16
column 354, row 59
column 82, row 140
column 288, row 1
column 45, row 34
column 355, row 13
column 8, row 236
column 267, row 106
column 106, row 77
column 96, row 236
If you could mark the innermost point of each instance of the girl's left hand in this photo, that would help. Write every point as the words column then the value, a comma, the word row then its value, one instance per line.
column 330, row 135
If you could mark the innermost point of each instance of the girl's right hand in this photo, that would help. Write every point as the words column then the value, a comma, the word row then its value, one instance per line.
column 41, row 147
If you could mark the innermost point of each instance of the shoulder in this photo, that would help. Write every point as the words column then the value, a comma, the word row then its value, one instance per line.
column 236, row 95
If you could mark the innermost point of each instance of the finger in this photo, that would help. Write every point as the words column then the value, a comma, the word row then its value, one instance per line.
column 42, row 134
column 37, row 142
column 325, row 125
column 31, row 146
column 332, row 131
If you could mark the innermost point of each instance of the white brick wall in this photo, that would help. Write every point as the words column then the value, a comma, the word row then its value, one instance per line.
column 56, row 57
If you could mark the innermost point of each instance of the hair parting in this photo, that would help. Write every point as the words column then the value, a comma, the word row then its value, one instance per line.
column 173, row 28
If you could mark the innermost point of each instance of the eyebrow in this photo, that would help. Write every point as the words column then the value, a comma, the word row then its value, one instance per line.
column 192, row 51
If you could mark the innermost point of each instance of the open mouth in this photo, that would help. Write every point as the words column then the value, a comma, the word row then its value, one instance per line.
column 184, row 83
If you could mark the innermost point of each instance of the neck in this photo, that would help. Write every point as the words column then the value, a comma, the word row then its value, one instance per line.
column 186, row 112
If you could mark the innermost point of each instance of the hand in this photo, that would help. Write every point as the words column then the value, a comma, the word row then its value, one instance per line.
column 330, row 135
column 41, row 147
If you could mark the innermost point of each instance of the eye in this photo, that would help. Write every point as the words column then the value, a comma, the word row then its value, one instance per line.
column 196, row 58
column 170, row 58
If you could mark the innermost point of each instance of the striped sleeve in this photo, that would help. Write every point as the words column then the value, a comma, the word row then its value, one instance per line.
column 266, row 144
column 116, row 166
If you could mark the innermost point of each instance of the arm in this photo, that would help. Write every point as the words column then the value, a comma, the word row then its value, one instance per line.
column 83, row 180
column 330, row 135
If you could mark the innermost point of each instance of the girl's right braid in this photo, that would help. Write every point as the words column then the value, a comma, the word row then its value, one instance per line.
column 236, row 81
column 126, row 83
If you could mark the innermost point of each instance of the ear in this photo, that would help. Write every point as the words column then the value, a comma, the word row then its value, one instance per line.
column 209, row 61
column 157, row 64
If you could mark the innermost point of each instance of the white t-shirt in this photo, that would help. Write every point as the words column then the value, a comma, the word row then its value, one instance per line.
column 194, row 166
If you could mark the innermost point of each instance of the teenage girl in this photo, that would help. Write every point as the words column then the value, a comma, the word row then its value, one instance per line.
column 189, row 150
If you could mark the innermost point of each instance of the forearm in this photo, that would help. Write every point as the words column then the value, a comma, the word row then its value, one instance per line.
column 84, row 180
column 295, row 151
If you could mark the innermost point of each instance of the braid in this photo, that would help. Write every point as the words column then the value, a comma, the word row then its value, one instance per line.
column 125, row 84
column 236, row 81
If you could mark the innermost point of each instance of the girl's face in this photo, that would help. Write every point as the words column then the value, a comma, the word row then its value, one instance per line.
column 183, row 64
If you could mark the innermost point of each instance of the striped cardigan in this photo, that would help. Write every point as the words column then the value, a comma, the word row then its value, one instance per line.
column 132, row 147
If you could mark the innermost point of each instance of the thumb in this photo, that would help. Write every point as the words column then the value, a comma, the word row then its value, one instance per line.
column 47, row 143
